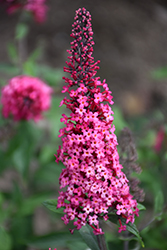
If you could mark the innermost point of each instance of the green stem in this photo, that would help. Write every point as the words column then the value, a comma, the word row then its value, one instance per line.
column 23, row 27
column 126, row 242
column 126, row 245
column 101, row 240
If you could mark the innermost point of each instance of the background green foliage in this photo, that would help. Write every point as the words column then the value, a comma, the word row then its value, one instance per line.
column 29, row 174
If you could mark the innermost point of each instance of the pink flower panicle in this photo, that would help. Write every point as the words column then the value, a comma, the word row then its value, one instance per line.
column 38, row 8
column 93, row 176
column 25, row 97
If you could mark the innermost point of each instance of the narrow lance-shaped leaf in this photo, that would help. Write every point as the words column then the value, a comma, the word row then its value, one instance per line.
column 89, row 237
column 140, row 207
column 53, row 240
column 52, row 205
column 129, row 226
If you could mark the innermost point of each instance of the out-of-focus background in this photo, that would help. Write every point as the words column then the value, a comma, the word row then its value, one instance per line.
column 130, row 41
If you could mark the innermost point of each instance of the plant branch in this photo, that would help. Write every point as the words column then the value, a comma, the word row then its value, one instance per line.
column 101, row 240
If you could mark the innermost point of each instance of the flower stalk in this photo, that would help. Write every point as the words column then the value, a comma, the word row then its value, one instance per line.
column 101, row 240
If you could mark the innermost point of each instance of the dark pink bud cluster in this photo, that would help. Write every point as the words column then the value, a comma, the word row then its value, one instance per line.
column 37, row 7
column 81, row 65
column 25, row 98
column 93, row 177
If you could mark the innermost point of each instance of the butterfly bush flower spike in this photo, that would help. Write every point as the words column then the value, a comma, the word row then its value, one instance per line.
column 25, row 98
column 93, row 179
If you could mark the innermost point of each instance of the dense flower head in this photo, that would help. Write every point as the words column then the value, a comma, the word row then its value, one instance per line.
column 93, row 179
column 38, row 8
column 25, row 97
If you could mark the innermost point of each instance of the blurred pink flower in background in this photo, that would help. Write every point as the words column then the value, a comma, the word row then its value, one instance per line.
column 25, row 97
column 159, row 139
column 38, row 8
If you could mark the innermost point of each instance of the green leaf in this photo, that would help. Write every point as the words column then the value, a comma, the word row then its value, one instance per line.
column 158, row 203
column 48, row 173
column 5, row 240
column 9, row 69
column 21, row 31
column 140, row 206
column 4, row 211
column 50, row 75
column 47, row 154
column 52, row 205
column 30, row 204
column 1, row 199
column 17, row 195
column 21, row 147
column 78, row 245
column 12, row 52
column 54, row 240
column 165, row 156
column 29, row 68
column 19, row 159
column 89, row 237
column 21, row 228
column 119, row 121
column 113, row 217
column 5, row 161
column 36, row 53
column 133, row 229
column 130, row 227
column 54, row 115
column 160, row 73
column 30, row 65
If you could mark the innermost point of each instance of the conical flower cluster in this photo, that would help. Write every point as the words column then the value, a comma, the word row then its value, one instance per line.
column 93, row 177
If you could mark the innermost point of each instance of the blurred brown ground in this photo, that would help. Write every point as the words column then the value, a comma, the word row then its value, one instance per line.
column 130, row 41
